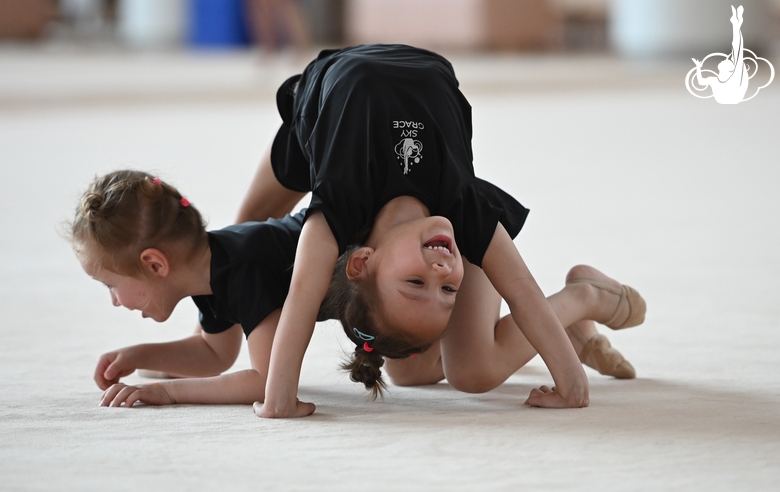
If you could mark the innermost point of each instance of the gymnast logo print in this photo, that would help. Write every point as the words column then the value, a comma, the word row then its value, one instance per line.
column 730, row 84
column 408, row 150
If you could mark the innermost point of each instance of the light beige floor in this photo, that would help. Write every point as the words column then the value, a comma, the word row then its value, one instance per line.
column 673, row 195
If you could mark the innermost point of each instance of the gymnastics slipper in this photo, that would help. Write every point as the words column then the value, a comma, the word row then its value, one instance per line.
column 628, row 297
column 599, row 354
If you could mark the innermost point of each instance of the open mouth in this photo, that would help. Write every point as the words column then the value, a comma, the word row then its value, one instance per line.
column 439, row 243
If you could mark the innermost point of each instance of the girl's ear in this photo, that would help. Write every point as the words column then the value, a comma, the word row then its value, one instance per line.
column 356, row 265
column 155, row 263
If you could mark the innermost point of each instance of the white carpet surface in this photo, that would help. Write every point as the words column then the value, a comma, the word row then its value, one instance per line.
column 675, row 196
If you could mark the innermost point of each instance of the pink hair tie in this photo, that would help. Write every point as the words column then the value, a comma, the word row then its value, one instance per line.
column 184, row 202
column 367, row 347
column 157, row 181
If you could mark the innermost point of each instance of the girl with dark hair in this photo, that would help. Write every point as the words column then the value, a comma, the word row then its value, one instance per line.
column 381, row 136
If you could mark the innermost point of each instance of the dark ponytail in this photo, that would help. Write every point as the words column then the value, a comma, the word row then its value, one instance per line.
column 366, row 367
column 357, row 306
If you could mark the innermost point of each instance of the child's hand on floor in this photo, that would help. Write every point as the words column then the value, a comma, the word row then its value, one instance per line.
column 113, row 366
column 151, row 394
column 547, row 397
column 300, row 409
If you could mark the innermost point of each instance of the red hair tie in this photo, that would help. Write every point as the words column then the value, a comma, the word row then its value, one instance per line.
column 367, row 348
column 157, row 181
column 185, row 202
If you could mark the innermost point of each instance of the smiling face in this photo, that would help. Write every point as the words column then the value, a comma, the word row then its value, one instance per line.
column 417, row 273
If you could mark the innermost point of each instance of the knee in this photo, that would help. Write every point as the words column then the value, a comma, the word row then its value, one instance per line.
column 403, row 380
column 408, row 378
column 472, row 382
column 413, row 381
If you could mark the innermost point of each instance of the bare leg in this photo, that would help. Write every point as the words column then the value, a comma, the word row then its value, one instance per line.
column 266, row 197
column 480, row 350
column 426, row 368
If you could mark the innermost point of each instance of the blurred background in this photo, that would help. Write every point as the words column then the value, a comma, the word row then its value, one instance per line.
column 90, row 50
column 661, row 26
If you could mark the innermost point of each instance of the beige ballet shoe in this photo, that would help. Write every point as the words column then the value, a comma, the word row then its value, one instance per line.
column 598, row 354
column 628, row 297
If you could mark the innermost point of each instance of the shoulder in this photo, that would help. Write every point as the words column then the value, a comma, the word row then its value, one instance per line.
column 264, row 244
column 250, row 235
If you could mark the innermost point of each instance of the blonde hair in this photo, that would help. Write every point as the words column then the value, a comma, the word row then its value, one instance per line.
column 125, row 212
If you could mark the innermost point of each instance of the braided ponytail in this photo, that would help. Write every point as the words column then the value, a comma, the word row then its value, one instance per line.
column 356, row 305
column 365, row 367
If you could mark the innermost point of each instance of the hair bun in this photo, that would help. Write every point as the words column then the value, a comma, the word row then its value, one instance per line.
column 91, row 205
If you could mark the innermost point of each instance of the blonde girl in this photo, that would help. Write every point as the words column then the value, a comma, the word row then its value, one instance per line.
column 148, row 244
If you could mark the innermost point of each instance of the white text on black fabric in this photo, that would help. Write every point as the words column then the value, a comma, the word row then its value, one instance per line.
column 408, row 128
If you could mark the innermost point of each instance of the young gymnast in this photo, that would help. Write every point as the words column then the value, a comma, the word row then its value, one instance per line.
column 170, row 256
column 149, row 246
column 381, row 136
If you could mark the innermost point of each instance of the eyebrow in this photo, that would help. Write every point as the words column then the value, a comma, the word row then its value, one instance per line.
column 419, row 298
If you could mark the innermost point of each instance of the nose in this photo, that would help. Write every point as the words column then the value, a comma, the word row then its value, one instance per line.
column 441, row 268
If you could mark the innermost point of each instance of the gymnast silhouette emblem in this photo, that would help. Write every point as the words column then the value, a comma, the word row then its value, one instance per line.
column 409, row 149
column 730, row 84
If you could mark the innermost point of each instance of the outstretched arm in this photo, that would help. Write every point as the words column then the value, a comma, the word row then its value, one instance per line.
column 199, row 355
column 508, row 273
column 242, row 387
column 315, row 259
